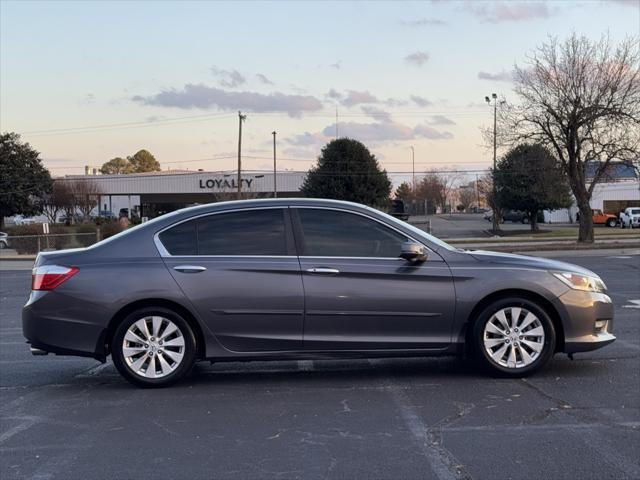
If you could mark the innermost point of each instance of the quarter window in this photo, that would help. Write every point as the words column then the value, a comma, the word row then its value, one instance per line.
column 332, row 233
column 181, row 239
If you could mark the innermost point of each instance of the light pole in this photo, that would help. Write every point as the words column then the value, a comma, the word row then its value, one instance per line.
column 494, row 215
column 241, row 118
column 275, row 186
column 413, row 167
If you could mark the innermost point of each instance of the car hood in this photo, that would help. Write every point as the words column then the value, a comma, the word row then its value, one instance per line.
column 528, row 262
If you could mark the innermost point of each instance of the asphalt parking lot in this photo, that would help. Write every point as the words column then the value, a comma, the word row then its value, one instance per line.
column 70, row 418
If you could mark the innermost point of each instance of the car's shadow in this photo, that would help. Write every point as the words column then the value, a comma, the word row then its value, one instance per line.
column 350, row 373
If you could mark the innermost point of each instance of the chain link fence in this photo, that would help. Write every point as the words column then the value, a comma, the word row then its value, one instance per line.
column 33, row 244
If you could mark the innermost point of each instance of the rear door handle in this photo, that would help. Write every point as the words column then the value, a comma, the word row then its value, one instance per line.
column 322, row 270
column 189, row 268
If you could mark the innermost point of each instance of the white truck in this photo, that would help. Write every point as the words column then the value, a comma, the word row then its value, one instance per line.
column 630, row 217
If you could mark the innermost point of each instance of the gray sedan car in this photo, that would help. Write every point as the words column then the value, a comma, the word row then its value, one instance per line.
column 303, row 279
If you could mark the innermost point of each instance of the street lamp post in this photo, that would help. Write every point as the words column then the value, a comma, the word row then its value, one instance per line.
column 275, row 186
column 413, row 167
column 494, row 216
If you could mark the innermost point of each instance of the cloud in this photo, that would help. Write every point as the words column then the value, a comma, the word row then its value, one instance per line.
column 355, row 97
column 263, row 79
column 395, row 102
column 377, row 132
column 371, row 132
column 440, row 120
column 334, row 94
column 423, row 22
column 204, row 97
column 503, row 76
column 87, row 99
column 431, row 133
column 306, row 138
column 228, row 78
column 626, row 3
column 501, row 11
column 376, row 113
column 420, row 101
column 417, row 59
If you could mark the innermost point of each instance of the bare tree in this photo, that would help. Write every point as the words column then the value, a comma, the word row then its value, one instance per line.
column 54, row 201
column 448, row 180
column 582, row 100
column 86, row 195
column 430, row 190
column 466, row 195
column 486, row 193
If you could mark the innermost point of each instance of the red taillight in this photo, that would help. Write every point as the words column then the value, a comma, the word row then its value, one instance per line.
column 48, row 277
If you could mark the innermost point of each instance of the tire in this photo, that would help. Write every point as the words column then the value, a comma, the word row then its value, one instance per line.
column 527, row 359
column 611, row 222
column 167, row 346
column 525, row 220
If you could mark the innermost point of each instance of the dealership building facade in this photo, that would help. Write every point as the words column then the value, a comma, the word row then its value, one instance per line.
column 153, row 194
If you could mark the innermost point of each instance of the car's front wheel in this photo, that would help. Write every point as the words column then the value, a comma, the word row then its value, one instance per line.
column 514, row 337
column 153, row 347
column 612, row 222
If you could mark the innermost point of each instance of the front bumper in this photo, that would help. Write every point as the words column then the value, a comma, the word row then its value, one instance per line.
column 587, row 320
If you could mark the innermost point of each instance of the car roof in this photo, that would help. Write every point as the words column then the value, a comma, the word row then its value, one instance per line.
column 275, row 202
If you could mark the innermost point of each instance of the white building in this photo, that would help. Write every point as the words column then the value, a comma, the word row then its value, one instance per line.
column 152, row 194
column 621, row 190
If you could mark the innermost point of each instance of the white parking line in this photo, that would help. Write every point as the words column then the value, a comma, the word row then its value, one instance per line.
column 27, row 422
column 634, row 304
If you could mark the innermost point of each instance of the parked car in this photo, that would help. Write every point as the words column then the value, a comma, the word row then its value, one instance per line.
column 511, row 216
column 4, row 240
column 22, row 220
column 108, row 214
column 398, row 210
column 630, row 217
column 304, row 278
column 600, row 218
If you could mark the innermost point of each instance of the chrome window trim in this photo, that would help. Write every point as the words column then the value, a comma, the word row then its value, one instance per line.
column 165, row 253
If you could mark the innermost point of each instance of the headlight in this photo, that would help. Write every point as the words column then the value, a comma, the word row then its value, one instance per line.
column 581, row 282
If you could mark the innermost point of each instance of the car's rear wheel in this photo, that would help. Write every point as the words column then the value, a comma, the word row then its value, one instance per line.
column 154, row 347
column 611, row 222
column 514, row 337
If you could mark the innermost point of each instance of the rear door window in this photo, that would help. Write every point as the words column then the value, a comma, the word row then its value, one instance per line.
column 249, row 232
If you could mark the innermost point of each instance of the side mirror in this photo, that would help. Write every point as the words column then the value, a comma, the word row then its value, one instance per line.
column 413, row 252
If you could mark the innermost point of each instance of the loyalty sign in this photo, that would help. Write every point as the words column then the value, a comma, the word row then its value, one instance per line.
column 222, row 183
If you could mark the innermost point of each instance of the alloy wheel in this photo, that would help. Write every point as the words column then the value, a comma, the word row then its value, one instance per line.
column 514, row 337
column 153, row 347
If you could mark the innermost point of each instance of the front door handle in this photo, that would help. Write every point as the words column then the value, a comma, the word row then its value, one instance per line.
column 322, row 270
column 189, row 268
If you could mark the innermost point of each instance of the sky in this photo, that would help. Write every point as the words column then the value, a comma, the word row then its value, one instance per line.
column 87, row 81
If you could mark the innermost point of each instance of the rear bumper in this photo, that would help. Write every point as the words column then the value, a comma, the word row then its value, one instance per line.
column 62, row 336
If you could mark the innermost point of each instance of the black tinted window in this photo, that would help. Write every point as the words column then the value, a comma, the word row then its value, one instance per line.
column 181, row 239
column 252, row 232
column 330, row 233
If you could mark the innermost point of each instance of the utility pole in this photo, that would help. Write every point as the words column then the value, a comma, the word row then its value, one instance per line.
column 336, row 123
column 494, row 215
column 275, row 186
column 413, row 168
column 241, row 118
